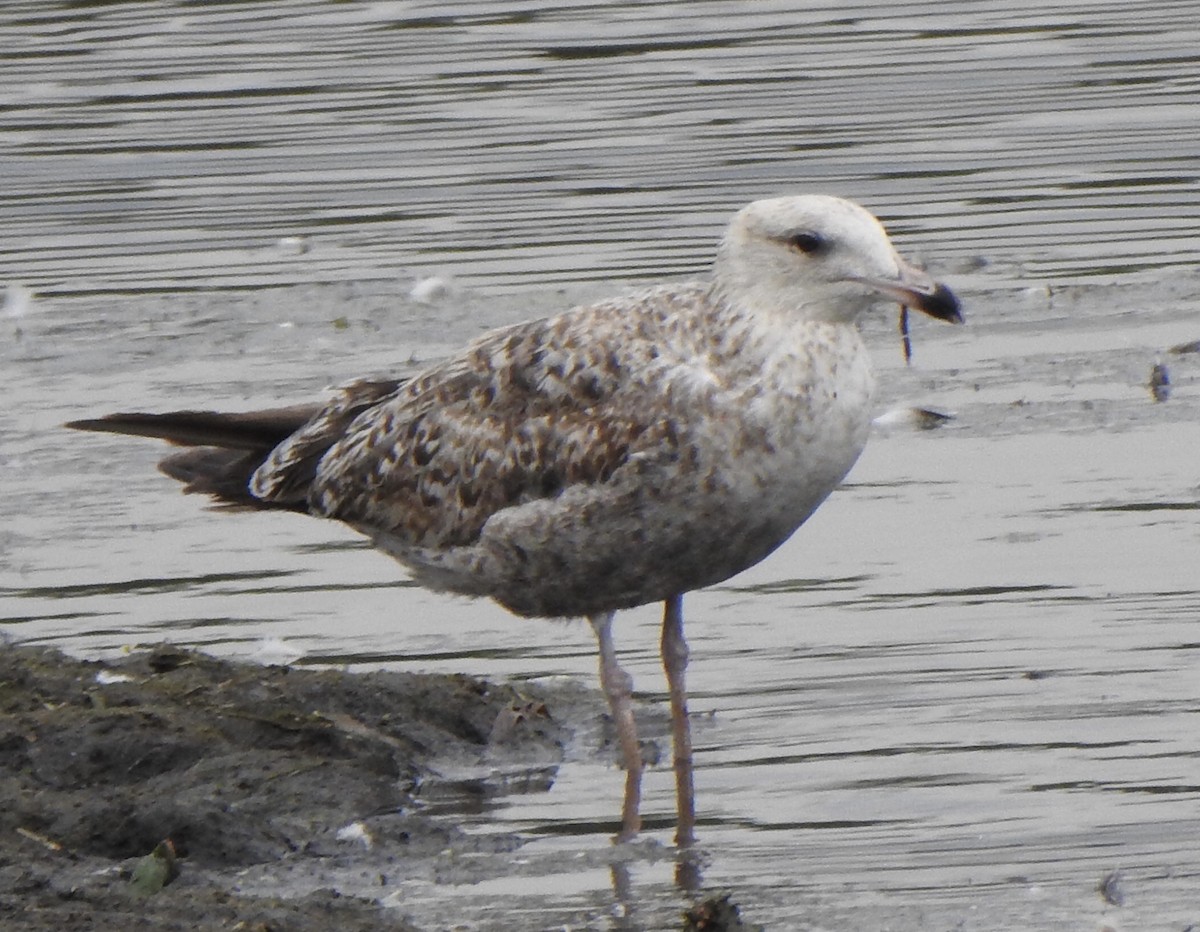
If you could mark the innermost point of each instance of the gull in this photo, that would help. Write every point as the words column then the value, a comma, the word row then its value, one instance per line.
column 618, row 454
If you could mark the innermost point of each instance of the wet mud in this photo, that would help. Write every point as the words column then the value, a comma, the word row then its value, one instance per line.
column 304, row 774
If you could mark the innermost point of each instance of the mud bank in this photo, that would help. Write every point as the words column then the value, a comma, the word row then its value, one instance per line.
column 249, row 771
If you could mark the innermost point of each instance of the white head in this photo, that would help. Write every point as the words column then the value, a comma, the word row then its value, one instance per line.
column 815, row 257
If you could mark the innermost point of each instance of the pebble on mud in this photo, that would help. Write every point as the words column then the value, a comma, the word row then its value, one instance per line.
column 1160, row 382
column 157, row 869
column 716, row 914
column 1110, row 889
column 917, row 418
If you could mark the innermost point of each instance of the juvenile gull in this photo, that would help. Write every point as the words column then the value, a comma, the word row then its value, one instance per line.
column 617, row 454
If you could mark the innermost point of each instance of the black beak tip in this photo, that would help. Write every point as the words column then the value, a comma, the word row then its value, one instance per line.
column 942, row 304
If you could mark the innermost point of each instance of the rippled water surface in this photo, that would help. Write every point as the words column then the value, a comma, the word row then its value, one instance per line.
column 960, row 697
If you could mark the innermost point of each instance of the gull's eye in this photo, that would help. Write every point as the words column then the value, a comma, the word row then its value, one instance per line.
column 807, row 242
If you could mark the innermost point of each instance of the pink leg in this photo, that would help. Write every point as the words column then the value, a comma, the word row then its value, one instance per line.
column 618, row 688
column 675, row 658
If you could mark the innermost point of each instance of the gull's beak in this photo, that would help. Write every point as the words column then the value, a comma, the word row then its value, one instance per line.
column 914, row 288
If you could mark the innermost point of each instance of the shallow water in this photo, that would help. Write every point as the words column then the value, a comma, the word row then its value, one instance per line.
column 958, row 698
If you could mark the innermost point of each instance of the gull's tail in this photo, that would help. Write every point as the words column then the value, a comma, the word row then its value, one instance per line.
column 226, row 448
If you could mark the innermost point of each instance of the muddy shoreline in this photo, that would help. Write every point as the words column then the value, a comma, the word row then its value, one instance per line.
column 305, row 773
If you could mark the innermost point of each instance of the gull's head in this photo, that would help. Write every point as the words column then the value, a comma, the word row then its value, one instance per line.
column 816, row 257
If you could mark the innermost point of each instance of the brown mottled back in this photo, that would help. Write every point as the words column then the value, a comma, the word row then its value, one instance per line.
column 525, row 413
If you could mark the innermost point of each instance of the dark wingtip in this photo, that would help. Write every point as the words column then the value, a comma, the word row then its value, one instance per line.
column 941, row 303
column 87, row 424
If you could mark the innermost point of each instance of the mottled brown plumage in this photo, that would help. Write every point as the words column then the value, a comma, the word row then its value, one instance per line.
column 617, row 454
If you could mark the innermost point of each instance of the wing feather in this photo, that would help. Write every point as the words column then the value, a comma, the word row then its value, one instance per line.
column 524, row 414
